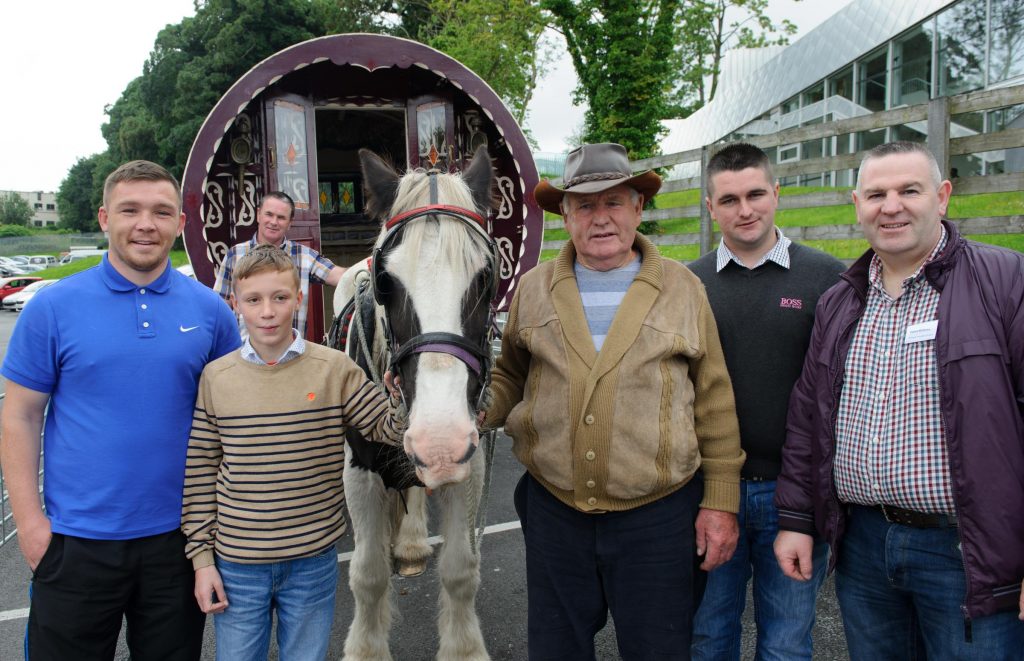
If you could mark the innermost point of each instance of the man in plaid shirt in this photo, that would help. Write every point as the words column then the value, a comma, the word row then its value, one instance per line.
column 905, row 444
column 273, row 219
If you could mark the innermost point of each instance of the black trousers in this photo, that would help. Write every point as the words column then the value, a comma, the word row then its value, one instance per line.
column 82, row 588
column 639, row 565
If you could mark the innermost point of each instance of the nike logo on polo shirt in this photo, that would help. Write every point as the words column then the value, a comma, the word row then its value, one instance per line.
column 185, row 330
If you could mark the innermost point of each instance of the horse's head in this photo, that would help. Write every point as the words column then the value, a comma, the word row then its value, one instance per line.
column 434, row 274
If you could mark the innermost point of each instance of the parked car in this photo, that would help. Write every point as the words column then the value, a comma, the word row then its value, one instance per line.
column 31, row 268
column 76, row 255
column 46, row 261
column 16, row 302
column 7, row 271
column 14, row 285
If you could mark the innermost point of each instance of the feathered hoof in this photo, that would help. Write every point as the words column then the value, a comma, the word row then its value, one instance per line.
column 410, row 568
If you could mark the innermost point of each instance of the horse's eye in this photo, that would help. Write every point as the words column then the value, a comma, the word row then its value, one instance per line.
column 384, row 285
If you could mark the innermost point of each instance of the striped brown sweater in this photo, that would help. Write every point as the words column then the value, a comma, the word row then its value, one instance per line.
column 265, row 455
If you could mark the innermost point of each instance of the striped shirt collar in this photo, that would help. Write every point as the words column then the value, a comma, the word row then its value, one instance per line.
column 294, row 350
column 778, row 254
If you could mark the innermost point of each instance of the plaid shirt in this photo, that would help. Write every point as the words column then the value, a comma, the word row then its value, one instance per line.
column 778, row 254
column 890, row 437
column 312, row 266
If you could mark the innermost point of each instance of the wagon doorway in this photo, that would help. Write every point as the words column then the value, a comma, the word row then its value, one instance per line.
column 346, row 234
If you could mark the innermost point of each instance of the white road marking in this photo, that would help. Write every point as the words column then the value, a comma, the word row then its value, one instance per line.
column 22, row 613
column 16, row 614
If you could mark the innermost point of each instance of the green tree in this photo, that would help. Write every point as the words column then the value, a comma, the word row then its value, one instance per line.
column 500, row 40
column 195, row 61
column 706, row 31
column 623, row 53
column 75, row 197
column 131, row 128
column 641, row 62
column 14, row 210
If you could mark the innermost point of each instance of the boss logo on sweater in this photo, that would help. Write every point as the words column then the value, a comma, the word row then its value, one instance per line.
column 791, row 303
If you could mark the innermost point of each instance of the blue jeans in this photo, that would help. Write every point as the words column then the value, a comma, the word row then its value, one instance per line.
column 301, row 591
column 783, row 608
column 901, row 589
column 639, row 564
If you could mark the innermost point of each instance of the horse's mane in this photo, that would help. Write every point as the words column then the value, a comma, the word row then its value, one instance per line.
column 461, row 247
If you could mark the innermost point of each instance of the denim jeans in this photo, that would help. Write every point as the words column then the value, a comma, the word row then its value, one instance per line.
column 901, row 589
column 301, row 591
column 783, row 608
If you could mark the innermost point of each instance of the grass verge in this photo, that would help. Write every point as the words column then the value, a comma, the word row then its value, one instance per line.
column 178, row 258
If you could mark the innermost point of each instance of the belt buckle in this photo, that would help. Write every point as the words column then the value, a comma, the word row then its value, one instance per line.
column 886, row 515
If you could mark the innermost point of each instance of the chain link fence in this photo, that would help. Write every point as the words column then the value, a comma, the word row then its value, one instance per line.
column 46, row 244
column 7, row 528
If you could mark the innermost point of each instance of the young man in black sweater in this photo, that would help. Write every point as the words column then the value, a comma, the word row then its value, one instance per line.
column 763, row 289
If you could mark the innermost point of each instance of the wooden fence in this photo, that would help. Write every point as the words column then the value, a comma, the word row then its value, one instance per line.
column 935, row 113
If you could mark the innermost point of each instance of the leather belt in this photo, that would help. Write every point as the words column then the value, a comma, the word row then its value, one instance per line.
column 914, row 519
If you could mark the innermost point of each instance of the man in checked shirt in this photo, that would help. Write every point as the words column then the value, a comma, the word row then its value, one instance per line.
column 905, row 438
column 273, row 218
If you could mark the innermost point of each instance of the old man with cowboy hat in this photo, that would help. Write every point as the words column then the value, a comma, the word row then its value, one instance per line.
column 612, row 384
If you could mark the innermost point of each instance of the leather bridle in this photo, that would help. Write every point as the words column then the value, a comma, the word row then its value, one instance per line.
column 476, row 356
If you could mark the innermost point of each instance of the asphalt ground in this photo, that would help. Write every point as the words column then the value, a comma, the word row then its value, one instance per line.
column 501, row 600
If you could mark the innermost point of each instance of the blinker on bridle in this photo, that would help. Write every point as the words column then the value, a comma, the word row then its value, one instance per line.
column 476, row 357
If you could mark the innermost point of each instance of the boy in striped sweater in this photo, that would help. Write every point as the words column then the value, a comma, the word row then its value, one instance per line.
column 263, row 480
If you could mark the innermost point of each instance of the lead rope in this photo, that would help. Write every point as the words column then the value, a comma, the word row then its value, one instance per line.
column 479, row 519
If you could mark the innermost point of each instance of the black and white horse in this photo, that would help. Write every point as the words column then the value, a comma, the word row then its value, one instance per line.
column 421, row 307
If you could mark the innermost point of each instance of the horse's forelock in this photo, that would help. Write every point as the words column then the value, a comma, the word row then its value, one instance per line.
column 462, row 247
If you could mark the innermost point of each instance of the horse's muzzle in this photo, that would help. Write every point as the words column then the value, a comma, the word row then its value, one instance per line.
column 437, row 466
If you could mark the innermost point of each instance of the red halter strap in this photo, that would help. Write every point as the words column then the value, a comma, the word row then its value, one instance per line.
column 436, row 208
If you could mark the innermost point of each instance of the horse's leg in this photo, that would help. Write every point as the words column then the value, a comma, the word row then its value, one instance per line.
column 459, row 569
column 369, row 575
column 410, row 546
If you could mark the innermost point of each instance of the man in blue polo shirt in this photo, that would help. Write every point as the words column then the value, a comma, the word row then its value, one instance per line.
column 116, row 351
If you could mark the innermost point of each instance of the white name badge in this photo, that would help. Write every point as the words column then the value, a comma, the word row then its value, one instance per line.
column 921, row 332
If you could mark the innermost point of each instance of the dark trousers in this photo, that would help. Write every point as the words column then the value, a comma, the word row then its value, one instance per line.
column 640, row 565
column 82, row 588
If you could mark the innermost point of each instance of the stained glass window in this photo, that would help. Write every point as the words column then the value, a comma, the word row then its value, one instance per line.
column 433, row 143
column 291, row 155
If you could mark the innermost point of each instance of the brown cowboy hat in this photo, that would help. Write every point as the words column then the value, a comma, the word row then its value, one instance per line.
column 594, row 168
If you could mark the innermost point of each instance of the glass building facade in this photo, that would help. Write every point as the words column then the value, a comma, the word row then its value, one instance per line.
column 945, row 48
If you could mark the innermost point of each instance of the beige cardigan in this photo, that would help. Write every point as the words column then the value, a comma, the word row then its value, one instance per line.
column 614, row 430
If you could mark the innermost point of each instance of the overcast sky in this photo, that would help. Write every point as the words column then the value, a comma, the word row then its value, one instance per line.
column 63, row 61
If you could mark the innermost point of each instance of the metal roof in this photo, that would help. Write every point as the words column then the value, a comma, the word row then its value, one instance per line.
column 745, row 92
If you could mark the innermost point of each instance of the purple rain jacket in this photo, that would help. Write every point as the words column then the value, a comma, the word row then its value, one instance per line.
column 979, row 347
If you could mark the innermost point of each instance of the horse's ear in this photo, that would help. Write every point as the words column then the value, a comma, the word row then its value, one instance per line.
column 380, row 181
column 479, row 176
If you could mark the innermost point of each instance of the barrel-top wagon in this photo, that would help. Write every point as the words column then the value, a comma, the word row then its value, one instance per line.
column 295, row 123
